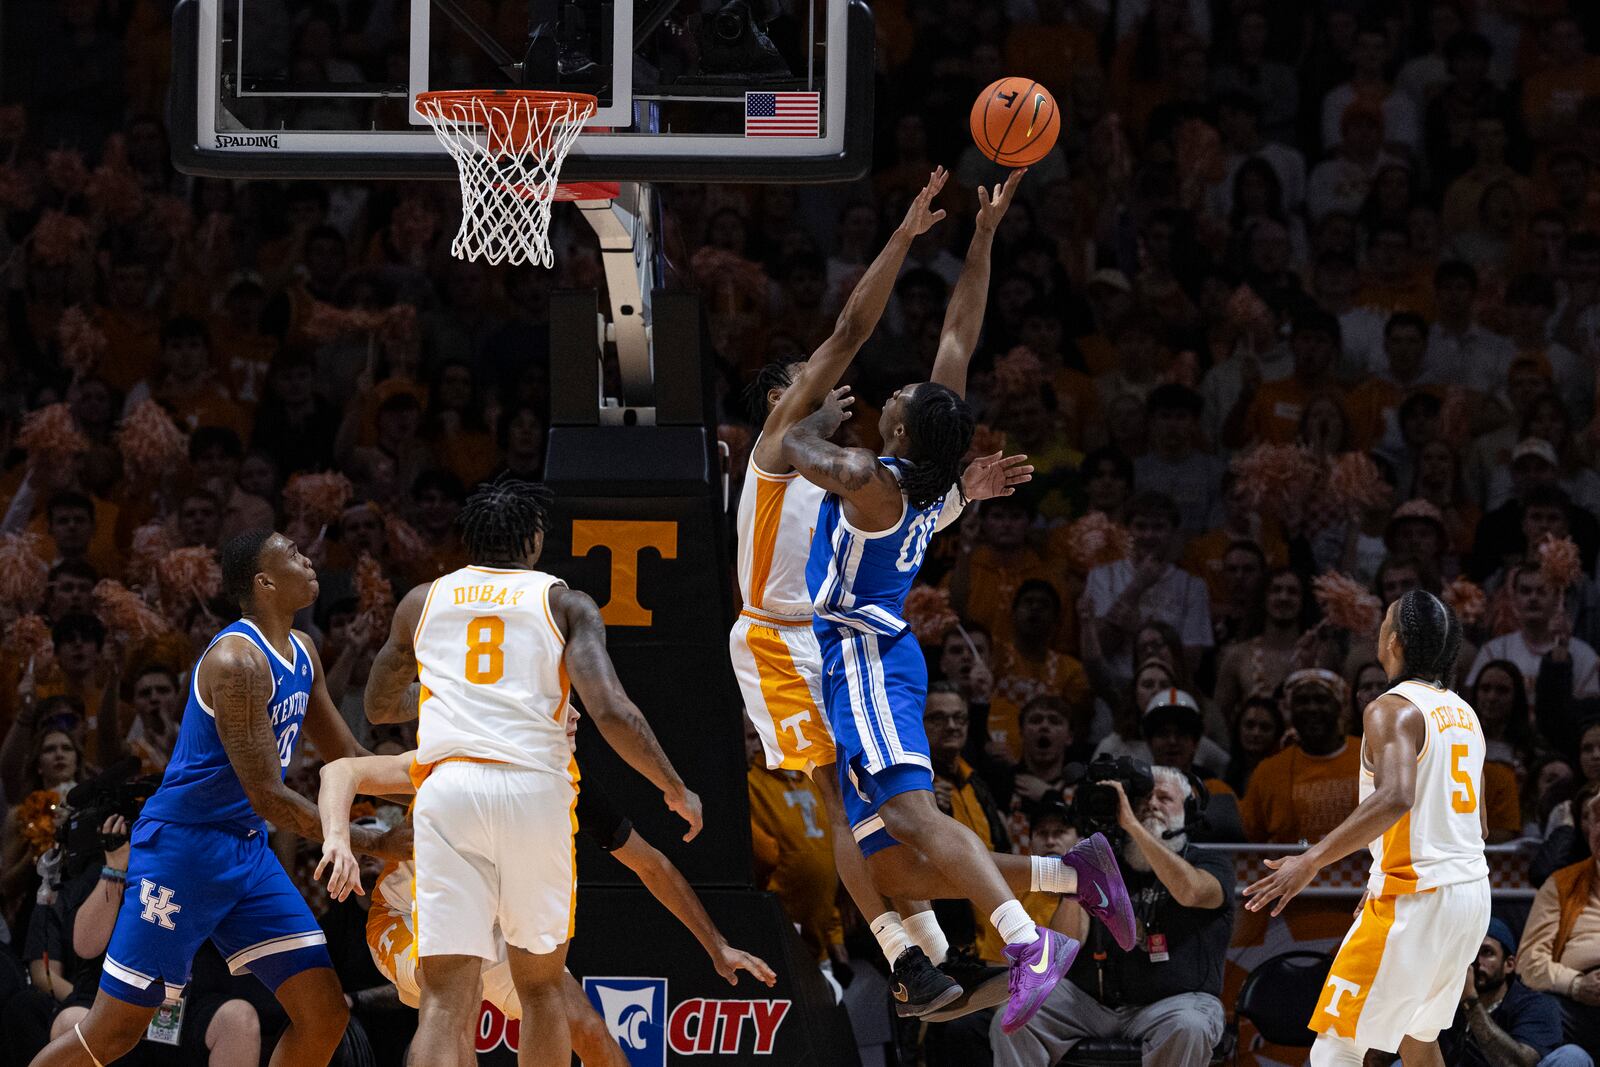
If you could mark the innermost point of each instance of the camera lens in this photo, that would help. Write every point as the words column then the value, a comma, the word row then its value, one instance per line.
column 729, row 25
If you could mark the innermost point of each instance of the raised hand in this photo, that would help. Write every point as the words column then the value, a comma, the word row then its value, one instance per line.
column 995, row 475
column 834, row 410
column 921, row 215
column 992, row 205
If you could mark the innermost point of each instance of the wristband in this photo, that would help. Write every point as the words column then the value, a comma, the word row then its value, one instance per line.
column 111, row 874
column 1572, row 987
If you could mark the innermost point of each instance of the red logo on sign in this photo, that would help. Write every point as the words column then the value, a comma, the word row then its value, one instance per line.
column 694, row 1026
column 697, row 1027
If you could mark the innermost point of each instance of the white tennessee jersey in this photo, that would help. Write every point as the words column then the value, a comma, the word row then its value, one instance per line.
column 1440, row 840
column 777, row 514
column 494, row 688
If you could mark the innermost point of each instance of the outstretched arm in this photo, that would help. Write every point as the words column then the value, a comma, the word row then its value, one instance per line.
column 392, row 686
column 235, row 680
column 342, row 779
column 666, row 883
column 619, row 719
column 1395, row 732
column 855, row 324
column 963, row 319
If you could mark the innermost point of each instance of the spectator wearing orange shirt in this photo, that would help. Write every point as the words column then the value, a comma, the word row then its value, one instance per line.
column 1552, row 96
column 186, row 383
column 1373, row 403
column 988, row 573
column 1269, row 413
column 1310, row 787
column 1027, row 667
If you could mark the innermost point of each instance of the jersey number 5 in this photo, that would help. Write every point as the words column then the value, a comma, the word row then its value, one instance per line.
column 1464, row 801
column 486, row 661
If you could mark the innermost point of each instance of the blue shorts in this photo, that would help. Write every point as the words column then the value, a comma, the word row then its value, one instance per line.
column 874, row 689
column 188, row 882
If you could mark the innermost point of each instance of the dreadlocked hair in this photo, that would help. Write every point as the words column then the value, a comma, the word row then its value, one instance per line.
column 939, row 426
column 1429, row 633
column 778, row 374
column 501, row 519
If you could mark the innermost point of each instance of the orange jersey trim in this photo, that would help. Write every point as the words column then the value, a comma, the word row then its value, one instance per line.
column 1399, row 876
column 1356, row 965
column 764, row 538
column 421, row 771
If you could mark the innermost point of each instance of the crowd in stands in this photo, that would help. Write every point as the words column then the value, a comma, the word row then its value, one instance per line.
column 1302, row 312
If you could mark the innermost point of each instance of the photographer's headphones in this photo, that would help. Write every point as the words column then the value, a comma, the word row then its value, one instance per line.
column 1194, row 805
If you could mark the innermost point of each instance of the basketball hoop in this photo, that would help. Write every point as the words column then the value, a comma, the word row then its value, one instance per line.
column 509, row 145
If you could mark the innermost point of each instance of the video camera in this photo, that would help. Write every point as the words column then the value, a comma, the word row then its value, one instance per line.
column 117, row 791
column 1095, row 806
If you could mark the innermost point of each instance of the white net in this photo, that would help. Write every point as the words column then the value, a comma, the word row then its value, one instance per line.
column 509, row 147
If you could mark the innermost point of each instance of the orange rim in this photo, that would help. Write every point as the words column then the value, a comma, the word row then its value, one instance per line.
column 518, row 106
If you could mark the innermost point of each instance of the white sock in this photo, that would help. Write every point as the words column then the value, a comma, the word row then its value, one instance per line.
column 923, row 929
column 891, row 935
column 1013, row 924
column 1050, row 875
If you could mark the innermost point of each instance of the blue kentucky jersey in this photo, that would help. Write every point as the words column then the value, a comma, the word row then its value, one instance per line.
column 860, row 580
column 200, row 785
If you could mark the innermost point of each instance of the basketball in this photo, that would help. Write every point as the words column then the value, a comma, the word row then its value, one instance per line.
column 1015, row 122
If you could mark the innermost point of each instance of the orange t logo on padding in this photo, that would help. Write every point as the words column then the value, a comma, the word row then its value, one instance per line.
column 625, row 540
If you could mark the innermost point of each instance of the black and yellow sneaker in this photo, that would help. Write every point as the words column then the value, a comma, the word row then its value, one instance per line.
column 919, row 987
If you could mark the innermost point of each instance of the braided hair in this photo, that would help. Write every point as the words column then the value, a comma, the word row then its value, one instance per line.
column 1430, row 635
column 502, row 519
column 778, row 374
column 939, row 427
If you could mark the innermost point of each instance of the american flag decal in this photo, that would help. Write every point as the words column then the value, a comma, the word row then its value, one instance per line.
column 783, row 114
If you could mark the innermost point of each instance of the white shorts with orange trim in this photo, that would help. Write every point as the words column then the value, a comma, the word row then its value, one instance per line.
column 1400, row 970
column 494, row 845
column 779, row 668
column 389, row 939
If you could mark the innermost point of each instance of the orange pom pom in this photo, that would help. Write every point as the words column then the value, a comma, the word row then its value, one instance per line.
column 58, row 239
column 125, row 614
column 64, row 169
column 1467, row 600
column 1560, row 563
column 317, row 499
column 1094, row 541
column 150, row 543
column 1018, row 371
column 1355, row 483
column 37, row 816
column 374, row 594
column 150, row 441
column 114, row 193
column 173, row 216
column 1348, row 604
column 1277, row 478
column 1246, row 309
column 82, row 343
column 405, row 544
column 187, row 576
column 24, row 571
column 928, row 612
column 28, row 640
column 51, row 432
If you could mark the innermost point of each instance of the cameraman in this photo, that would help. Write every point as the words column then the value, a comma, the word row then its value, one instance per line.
column 1165, row 992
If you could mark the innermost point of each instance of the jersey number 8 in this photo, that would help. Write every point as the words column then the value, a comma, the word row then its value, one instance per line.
column 486, row 660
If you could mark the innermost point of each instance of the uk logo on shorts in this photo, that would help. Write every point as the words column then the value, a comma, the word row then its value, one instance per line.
column 158, row 905
column 635, row 1014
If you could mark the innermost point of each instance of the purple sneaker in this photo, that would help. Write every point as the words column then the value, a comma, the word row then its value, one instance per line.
column 1101, row 891
column 1035, row 970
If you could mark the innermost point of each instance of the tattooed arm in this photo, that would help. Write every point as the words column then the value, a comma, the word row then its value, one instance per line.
column 871, row 494
column 392, row 686
column 619, row 719
column 236, row 682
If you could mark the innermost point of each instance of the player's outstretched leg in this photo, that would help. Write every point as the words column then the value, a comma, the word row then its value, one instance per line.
column 906, row 930
column 447, row 1010
column 1039, row 958
column 547, row 1040
column 594, row 1047
column 314, row 1002
column 106, row 1034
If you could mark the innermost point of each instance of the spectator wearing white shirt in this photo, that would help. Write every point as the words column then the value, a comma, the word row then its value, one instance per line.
column 1173, row 465
column 1341, row 182
column 1421, row 77
column 1239, row 122
column 1401, row 122
column 1459, row 349
column 1335, row 282
column 1149, row 586
column 1538, row 631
